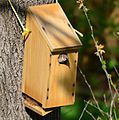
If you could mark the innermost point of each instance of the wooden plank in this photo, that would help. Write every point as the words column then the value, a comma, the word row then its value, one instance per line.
column 33, row 105
column 58, row 30
column 62, row 82
column 36, row 63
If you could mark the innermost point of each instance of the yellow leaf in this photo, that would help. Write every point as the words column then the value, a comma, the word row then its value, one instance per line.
column 80, row 3
column 100, row 46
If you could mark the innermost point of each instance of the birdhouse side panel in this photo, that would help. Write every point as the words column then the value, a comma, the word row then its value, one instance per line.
column 61, row 89
column 36, row 62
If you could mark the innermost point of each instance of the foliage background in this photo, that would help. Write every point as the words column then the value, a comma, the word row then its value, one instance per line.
column 104, row 17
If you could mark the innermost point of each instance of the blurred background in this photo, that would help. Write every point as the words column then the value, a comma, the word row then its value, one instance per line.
column 104, row 16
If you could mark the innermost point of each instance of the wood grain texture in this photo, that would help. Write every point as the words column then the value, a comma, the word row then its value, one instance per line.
column 44, row 79
column 36, row 63
column 58, row 30
column 62, row 82
column 33, row 105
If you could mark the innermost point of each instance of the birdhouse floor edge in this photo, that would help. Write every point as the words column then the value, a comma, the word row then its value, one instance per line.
column 35, row 106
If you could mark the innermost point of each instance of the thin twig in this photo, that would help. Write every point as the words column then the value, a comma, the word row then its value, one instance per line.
column 96, row 46
column 115, row 114
column 91, row 114
column 97, row 108
column 105, row 101
column 109, row 79
column 116, row 70
column 99, row 52
column 84, row 110
column 111, row 106
column 83, row 75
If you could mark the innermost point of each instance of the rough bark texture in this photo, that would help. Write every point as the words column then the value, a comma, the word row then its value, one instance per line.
column 11, row 60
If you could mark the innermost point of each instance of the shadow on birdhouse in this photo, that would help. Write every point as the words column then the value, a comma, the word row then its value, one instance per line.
column 50, row 57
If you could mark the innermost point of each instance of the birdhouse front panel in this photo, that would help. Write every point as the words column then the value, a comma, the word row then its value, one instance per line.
column 50, row 57
column 62, row 81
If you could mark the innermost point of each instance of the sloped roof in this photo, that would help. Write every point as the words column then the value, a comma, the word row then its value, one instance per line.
column 57, row 29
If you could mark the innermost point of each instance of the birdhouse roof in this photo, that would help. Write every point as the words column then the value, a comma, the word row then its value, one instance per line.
column 55, row 26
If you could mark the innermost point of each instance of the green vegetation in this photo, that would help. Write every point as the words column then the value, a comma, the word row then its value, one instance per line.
column 98, row 78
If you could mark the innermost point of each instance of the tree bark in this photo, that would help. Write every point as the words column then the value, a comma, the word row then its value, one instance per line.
column 11, row 60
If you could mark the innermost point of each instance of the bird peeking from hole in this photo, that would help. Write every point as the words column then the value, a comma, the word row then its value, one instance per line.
column 63, row 59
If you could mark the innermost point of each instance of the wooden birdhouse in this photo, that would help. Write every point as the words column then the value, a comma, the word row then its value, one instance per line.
column 50, row 57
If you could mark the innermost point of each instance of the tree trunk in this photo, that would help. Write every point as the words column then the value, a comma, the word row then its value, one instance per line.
column 11, row 61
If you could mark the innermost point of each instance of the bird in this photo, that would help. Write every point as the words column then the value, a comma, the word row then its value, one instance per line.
column 63, row 58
